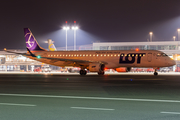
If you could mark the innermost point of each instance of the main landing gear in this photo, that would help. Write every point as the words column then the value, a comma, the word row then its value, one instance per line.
column 101, row 70
column 155, row 72
column 101, row 73
column 83, row 72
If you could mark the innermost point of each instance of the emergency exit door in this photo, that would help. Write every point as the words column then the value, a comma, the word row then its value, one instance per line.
column 149, row 57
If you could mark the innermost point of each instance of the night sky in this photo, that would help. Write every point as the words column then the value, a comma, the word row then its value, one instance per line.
column 98, row 20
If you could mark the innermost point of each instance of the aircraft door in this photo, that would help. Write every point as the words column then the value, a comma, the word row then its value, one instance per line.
column 149, row 57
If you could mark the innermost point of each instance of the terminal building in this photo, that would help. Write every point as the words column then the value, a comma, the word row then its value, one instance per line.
column 13, row 62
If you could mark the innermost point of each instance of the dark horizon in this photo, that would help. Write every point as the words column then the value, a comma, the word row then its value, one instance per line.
column 102, row 20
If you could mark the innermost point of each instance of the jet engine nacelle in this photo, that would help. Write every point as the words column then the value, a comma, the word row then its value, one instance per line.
column 96, row 67
column 123, row 69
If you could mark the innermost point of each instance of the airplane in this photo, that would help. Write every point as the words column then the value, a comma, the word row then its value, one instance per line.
column 96, row 60
column 53, row 48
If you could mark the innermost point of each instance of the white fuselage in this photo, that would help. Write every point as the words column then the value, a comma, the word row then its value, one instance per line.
column 111, row 58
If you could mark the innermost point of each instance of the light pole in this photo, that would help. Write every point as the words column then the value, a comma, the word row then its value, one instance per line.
column 174, row 37
column 150, row 33
column 66, row 28
column 178, row 34
column 75, row 28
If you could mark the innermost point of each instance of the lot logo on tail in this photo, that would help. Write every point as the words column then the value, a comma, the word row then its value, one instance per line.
column 30, row 42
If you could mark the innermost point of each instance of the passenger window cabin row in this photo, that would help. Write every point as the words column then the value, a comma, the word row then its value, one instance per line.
column 94, row 55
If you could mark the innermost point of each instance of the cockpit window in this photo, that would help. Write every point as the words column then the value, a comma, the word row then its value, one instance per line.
column 161, row 54
column 158, row 54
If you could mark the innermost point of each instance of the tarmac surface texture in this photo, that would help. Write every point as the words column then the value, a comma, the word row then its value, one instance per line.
column 91, row 97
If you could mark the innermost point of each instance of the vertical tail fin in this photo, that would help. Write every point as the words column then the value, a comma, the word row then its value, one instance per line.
column 31, row 42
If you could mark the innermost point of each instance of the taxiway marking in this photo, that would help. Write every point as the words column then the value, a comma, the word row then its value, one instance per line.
column 91, row 98
column 26, row 105
column 176, row 113
column 86, row 108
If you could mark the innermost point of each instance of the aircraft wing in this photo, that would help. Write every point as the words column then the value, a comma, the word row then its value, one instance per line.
column 25, row 54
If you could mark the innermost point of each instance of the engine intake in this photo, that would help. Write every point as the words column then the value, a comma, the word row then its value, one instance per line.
column 96, row 67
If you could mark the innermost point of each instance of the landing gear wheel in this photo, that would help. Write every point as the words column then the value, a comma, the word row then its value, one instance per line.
column 83, row 72
column 155, row 73
column 101, row 73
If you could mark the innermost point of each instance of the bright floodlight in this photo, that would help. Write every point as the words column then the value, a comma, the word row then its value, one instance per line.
column 174, row 37
column 150, row 33
column 66, row 28
column 75, row 28
column 178, row 29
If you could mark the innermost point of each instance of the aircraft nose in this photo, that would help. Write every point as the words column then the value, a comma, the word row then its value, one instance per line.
column 173, row 62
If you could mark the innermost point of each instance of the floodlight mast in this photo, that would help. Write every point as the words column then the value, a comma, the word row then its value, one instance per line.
column 74, row 28
column 66, row 28
column 178, row 34
column 174, row 37
column 150, row 33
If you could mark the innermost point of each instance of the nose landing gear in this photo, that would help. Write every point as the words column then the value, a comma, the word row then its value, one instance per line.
column 155, row 72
